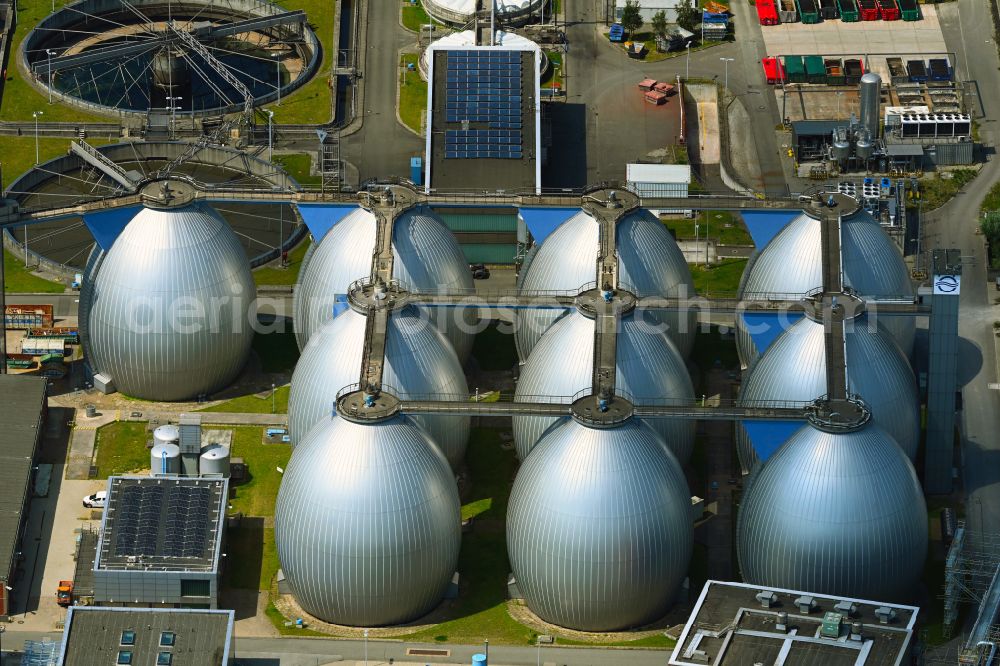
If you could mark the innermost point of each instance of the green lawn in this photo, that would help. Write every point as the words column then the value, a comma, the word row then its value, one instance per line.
column 19, row 280
column 554, row 79
column 251, row 404
column 298, row 166
column 721, row 225
column 494, row 349
column 256, row 495
column 936, row 191
column 17, row 153
column 992, row 200
column 413, row 16
column 412, row 93
column 121, row 448
column 272, row 275
column 722, row 278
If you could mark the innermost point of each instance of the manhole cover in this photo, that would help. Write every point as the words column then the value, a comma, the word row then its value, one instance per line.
column 762, row 107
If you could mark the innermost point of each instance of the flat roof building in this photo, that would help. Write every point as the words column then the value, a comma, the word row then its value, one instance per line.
column 736, row 624
column 21, row 417
column 146, row 637
column 161, row 542
column 484, row 118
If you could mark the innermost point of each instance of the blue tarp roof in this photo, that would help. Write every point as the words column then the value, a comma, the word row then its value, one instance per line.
column 765, row 327
column 768, row 436
column 764, row 225
column 543, row 221
column 106, row 225
column 320, row 218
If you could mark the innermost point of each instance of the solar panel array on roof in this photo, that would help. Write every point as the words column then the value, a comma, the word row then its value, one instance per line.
column 140, row 521
column 484, row 87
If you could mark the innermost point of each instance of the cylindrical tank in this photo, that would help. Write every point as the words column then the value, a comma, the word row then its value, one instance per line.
column 166, row 434
column 841, row 146
column 599, row 528
column 165, row 458
column 426, row 258
column 169, row 306
column 837, row 514
column 871, row 100
column 214, row 460
column 649, row 264
column 794, row 368
column 170, row 72
column 479, row 659
column 863, row 146
column 649, row 369
column 419, row 361
column 791, row 264
column 368, row 522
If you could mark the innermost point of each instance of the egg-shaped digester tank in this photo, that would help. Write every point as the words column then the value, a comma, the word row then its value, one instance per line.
column 599, row 527
column 426, row 258
column 367, row 522
column 794, row 369
column 419, row 362
column 168, row 307
column 649, row 264
column 791, row 265
column 837, row 514
column 649, row 370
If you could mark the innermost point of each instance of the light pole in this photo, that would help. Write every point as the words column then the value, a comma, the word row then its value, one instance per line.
column 35, row 114
column 270, row 134
column 726, row 61
column 366, row 647
column 277, row 73
column 695, row 243
column 50, row 53
column 538, row 651
column 272, row 398
column 687, row 67
column 839, row 95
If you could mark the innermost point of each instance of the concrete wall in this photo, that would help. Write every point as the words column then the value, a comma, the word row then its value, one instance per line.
column 115, row 588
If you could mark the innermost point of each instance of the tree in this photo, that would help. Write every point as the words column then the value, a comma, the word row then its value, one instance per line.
column 659, row 23
column 688, row 15
column 631, row 19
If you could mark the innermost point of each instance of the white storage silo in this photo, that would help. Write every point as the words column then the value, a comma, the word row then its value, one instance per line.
column 214, row 460
column 164, row 458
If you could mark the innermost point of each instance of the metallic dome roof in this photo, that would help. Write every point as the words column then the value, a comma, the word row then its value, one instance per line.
column 794, row 368
column 599, row 527
column 418, row 361
column 650, row 369
column 839, row 514
column 165, row 312
column 792, row 264
column 650, row 264
column 367, row 523
column 427, row 258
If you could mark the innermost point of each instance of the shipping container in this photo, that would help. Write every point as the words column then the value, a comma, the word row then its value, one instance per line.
column 28, row 316
column 828, row 9
column 771, row 72
column 848, row 10
column 787, row 12
column 38, row 346
column 767, row 13
column 939, row 69
column 815, row 71
column 868, row 10
column 909, row 9
column 795, row 69
column 917, row 71
column 69, row 334
column 655, row 97
column 889, row 10
column 897, row 72
column 834, row 71
column 853, row 71
column 808, row 11
column 20, row 361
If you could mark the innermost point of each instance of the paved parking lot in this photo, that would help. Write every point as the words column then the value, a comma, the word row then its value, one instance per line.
column 836, row 37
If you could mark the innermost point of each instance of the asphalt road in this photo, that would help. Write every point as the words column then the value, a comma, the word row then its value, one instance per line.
column 968, row 29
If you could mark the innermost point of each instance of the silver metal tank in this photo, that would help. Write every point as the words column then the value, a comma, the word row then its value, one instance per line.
column 418, row 361
column 170, row 72
column 367, row 522
column 214, row 460
column 164, row 458
column 837, row 514
column 791, row 264
column 166, row 434
column 841, row 146
column 426, row 258
column 168, row 306
column 794, row 368
column 649, row 369
column 650, row 264
column 599, row 528
column 863, row 144
column 871, row 100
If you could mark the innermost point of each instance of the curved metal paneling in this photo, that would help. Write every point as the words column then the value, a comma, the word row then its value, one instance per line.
column 599, row 527
column 794, row 368
column 792, row 263
column 297, row 309
column 169, row 313
column 427, row 258
column 418, row 361
column 650, row 263
column 93, row 265
column 838, row 514
column 562, row 364
column 367, row 522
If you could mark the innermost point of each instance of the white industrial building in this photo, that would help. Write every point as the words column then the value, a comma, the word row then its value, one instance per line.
column 659, row 180
column 647, row 8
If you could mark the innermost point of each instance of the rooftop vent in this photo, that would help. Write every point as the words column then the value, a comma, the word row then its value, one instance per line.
column 805, row 604
column 767, row 598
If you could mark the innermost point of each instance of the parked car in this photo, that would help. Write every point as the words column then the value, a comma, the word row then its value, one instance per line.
column 95, row 501
column 479, row 271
